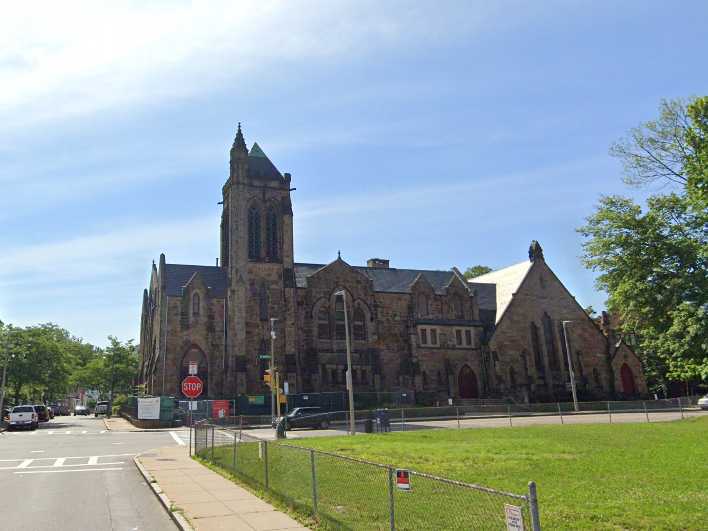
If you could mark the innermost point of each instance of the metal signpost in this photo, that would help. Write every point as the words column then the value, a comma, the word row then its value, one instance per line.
column 273, row 382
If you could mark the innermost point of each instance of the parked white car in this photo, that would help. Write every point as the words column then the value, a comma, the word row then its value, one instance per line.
column 703, row 402
column 23, row 417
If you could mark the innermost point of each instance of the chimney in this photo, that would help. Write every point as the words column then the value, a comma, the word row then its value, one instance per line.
column 377, row 263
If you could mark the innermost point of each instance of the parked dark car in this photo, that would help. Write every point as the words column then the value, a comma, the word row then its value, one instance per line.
column 101, row 408
column 307, row 417
column 42, row 412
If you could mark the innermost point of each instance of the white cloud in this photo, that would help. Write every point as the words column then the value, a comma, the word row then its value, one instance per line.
column 62, row 58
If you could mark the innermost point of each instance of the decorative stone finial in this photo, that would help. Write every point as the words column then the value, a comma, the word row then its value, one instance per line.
column 535, row 251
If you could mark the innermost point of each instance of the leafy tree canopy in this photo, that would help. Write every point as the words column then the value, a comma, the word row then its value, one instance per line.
column 653, row 260
column 476, row 271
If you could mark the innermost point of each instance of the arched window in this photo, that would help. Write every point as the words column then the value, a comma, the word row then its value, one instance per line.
column 323, row 322
column 359, row 324
column 550, row 342
column 263, row 302
column 195, row 304
column 536, row 345
column 422, row 305
column 339, row 328
column 456, row 308
column 254, row 233
column 272, row 238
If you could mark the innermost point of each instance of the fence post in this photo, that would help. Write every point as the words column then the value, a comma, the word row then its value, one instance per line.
column 233, row 460
column 392, row 517
column 644, row 403
column 508, row 412
column 609, row 411
column 212, row 443
column 314, row 483
column 533, row 507
column 190, row 441
column 457, row 412
column 680, row 407
column 265, row 461
column 560, row 412
column 403, row 418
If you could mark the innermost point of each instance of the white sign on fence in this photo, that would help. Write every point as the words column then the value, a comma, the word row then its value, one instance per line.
column 192, row 368
column 514, row 518
column 149, row 408
column 193, row 406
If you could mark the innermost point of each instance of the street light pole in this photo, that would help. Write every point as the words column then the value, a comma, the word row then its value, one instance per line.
column 273, row 380
column 570, row 366
column 110, row 396
column 350, row 386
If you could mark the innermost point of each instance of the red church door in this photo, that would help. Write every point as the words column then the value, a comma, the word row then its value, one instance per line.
column 627, row 377
column 467, row 381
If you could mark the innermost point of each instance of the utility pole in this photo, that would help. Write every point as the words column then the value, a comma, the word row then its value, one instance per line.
column 350, row 386
column 110, row 396
column 570, row 366
column 274, row 380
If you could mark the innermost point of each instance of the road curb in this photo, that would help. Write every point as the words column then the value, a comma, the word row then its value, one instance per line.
column 181, row 522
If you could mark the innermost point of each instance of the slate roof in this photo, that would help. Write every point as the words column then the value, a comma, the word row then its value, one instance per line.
column 391, row 280
column 177, row 276
column 260, row 166
column 496, row 289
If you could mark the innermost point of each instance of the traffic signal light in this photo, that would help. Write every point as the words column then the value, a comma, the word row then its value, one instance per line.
column 267, row 379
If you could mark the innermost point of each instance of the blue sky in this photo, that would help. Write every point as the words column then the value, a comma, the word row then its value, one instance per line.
column 435, row 134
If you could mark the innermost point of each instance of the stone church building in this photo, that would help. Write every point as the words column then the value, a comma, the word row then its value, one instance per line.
column 433, row 332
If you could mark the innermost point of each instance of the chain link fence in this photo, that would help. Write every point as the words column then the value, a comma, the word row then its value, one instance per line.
column 350, row 493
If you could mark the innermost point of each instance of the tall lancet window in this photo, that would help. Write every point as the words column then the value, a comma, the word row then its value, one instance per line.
column 272, row 234
column 254, row 233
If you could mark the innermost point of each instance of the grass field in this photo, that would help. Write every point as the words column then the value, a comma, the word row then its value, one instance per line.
column 623, row 476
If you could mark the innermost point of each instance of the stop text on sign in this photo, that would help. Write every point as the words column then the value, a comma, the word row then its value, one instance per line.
column 192, row 386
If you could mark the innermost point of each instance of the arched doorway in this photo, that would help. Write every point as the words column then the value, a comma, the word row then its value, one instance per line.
column 194, row 353
column 467, row 381
column 627, row 377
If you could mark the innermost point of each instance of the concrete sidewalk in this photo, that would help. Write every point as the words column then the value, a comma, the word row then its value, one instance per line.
column 119, row 424
column 209, row 501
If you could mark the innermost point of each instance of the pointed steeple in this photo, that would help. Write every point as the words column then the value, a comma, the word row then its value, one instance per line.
column 239, row 151
column 239, row 142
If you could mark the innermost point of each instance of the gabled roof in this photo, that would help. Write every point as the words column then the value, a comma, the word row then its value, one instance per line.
column 390, row 280
column 506, row 282
column 177, row 276
column 260, row 166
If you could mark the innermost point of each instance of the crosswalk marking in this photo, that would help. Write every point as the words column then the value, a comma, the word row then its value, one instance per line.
column 76, row 470
column 59, row 462
column 25, row 463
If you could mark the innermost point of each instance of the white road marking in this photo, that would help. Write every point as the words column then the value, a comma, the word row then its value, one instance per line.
column 104, row 431
column 77, row 470
column 50, row 432
column 84, row 432
column 93, row 460
column 178, row 439
column 67, row 432
column 25, row 463
column 118, row 443
column 59, row 461
column 37, row 451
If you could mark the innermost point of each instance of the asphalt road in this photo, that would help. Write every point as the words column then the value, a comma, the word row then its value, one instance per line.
column 72, row 474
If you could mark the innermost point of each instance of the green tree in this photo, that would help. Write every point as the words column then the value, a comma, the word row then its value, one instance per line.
column 653, row 261
column 476, row 271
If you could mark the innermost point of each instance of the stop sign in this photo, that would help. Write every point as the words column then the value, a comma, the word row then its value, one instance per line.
column 192, row 386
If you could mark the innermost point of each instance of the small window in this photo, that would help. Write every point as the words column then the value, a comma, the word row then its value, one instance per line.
column 458, row 337
column 468, row 338
column 323, row 322
column 422, row 304
column 195, row 304
column 359, row 325
column 425, row 379
column 423, row 336
column 334, row 376
column 433, row 336
column 364, row 378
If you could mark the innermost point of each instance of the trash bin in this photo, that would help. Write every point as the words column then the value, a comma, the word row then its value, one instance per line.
column 368, row 426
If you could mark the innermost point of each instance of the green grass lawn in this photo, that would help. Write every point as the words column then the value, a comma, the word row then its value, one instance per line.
column 621, row 476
